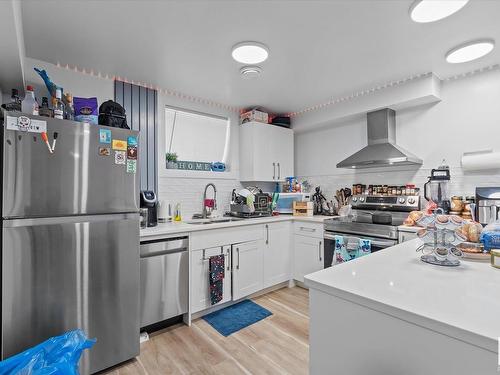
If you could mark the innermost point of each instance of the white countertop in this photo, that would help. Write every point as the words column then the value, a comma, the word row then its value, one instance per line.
column 461, row 302
column 183, row 227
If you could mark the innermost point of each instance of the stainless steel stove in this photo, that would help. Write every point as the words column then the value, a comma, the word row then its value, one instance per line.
column 374, row 217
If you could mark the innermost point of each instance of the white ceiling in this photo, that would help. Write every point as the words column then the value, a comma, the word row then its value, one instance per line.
column 318, row 49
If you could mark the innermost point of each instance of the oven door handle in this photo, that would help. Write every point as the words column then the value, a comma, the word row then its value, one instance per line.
column 374, row 241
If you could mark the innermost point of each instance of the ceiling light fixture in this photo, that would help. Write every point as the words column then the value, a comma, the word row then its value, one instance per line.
column 250, row 52
column 423, row 11
column 470, row 51
column 248, row 72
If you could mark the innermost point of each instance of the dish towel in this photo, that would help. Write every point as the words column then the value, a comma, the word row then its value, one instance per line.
column 364, row 247
column 340, row 254
column 216, row 278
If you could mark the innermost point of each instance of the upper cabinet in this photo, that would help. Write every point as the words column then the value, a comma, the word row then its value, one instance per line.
column 266, row 152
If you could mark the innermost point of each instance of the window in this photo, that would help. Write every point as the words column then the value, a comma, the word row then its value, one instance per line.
column 196, row 137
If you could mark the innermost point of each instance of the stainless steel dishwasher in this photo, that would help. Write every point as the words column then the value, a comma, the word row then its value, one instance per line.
column 164, row 279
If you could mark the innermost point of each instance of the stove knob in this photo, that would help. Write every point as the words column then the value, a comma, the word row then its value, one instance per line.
column 402, row 200
column 411, row 200
column 361, row 199
column 354, row 199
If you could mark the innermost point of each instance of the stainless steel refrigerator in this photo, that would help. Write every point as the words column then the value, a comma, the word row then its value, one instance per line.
column 70, row 237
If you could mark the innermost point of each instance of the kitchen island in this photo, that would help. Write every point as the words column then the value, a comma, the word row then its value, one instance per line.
column 390, row 313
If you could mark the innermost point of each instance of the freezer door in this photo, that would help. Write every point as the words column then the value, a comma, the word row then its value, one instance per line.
column 67, row 273
column 78, row 178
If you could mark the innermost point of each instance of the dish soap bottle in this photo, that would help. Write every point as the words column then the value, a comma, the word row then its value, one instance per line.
column 178, row 216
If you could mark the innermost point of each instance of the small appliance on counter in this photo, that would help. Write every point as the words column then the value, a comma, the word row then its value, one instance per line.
column 487, row 204
column 284, row 204
column 439, row 186
column 250, row 202
column 149, row 202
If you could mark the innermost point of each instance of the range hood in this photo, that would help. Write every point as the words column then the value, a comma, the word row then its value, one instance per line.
column 382, row 150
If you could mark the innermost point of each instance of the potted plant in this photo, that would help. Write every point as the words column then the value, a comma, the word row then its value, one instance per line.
column 171, row 160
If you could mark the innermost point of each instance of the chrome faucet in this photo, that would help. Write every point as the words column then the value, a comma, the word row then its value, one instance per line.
column 205, row 213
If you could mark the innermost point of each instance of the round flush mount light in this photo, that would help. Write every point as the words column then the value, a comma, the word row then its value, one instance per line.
column 470, row 51
column 249, row 72
column 250, row 52
column 424, row 11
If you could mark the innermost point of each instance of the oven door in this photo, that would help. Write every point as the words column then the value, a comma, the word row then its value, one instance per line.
column 329, row 244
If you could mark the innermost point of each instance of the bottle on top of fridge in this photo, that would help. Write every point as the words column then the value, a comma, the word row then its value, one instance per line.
column 44, row 110
column 69, row 110
column 29, row 104
column 58, row 105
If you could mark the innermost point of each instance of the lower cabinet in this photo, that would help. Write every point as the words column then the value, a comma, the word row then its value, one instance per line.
column 308, row 257
column 247, row 268
column 200, row 290
column 406, row 236
column 277, row 253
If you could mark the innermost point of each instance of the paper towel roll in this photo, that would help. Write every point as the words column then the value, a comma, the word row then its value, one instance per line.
column 481, row 160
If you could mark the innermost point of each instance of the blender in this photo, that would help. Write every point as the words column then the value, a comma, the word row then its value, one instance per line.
column 439, row 187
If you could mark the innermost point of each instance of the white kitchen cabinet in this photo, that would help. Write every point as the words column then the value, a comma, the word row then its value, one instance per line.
column 277, row 253
column 247, row 259
column 308, row 256
column 200, row 289
column 266, row 152
column 404, row 236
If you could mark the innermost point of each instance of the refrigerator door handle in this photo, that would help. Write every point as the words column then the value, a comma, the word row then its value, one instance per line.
column 14, row 223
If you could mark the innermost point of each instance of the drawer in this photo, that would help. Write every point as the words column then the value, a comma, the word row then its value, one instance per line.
column 308, row 229
column 227, row 236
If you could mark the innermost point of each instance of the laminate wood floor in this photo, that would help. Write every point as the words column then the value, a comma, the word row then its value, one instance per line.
column 278, row 344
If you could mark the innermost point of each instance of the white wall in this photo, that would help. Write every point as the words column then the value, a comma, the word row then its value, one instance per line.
column 467, row 119
column 78, row 84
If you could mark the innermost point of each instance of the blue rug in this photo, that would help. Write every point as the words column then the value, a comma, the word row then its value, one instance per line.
column 233, row 318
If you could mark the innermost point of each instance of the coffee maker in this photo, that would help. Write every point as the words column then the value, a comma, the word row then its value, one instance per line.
column 487, row 204
column 149, row 202
column 439, row 186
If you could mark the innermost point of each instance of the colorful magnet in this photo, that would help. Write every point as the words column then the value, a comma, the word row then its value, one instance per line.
column 120, row 157
column 119, row 145
column 132, row 153
column 132, row 141
column 131, row 166
column 105, row 135
column 104, row 151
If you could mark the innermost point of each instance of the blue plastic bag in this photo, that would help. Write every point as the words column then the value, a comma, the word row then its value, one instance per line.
column 57, row 356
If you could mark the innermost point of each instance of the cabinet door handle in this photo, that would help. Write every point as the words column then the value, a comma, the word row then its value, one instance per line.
column 274, row 171
column 279, row 171
column 305, row 229
column 319, row 251
column 267, row 234
column 227, row 256
column 238, row 264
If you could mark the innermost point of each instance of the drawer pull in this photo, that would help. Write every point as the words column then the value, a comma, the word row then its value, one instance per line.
column 306, row 229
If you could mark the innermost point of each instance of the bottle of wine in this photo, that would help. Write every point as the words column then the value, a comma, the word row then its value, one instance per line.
column 58, row 105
